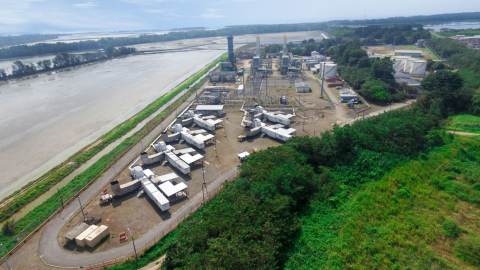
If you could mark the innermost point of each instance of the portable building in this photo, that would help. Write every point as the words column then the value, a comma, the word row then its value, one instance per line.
column 177, row 163
column 302, row 87
column 204, row 124
column 96, row 236
column 80, row 239
column 216, row 110
column 75, row 231
column 173, row 192
column 155, row 195
column 126, row 188
column 155, row 158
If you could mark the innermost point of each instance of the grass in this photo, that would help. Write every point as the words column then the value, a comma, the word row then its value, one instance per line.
column 460, row 32
column 35, row 217
column 421, row 215
column 435, row 57
column 465, row 123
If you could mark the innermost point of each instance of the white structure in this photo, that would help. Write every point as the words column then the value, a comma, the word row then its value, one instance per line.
column 243, row 156
column 314, row 53
column 164, row 178
column 96, row 236
column 302, row 87
column 173, row 192
column 155, row 195
column 209, row 124
column 177, row 163
column 330, row 70
column 285, row 51
column 258, row 47
column 148, row 173
column 81, row 238
column 278, row 133
column 408, row 65
column 346, row 95
column 189, row 159
column 210, row 110
column 137, row 172
column 418, row 68
column 410, row 53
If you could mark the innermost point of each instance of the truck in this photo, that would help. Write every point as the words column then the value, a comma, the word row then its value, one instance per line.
column 106, row 198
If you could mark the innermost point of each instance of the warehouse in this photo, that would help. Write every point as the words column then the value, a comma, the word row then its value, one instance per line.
column 410, row 53
column 216, row 110
column 302, row 87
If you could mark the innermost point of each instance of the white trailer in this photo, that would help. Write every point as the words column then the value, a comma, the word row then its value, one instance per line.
column 177, row 163
column 204, row 124
column 155, row 195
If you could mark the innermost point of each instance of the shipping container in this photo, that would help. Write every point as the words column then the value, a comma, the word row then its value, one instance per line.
column 96, row 236
column 80, row 240
column 335, row 84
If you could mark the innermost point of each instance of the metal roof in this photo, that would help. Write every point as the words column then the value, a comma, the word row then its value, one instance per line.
column 189, row 159
column 209, row 107
column 169, row 189
column 302, row 84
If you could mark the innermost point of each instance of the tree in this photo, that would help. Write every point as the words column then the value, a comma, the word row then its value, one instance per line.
column 3, row 75
column 311, row 40
column 447, row 87
column 45, row 64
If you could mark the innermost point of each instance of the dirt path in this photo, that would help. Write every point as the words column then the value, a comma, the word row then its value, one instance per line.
column 463, row 133
column 157, row 264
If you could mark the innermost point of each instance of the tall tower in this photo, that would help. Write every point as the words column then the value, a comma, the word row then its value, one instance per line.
column 285, row 51
column 258, row 46
column 231, row 56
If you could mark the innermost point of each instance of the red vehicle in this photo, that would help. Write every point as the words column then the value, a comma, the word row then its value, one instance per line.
column 333, row 80
column 335, row 84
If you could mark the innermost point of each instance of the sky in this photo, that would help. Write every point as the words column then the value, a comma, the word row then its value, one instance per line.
column 59, row 16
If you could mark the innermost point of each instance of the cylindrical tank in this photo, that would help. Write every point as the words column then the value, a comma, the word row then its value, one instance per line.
column 258, row 46
column 418, row 68
column 330, row 71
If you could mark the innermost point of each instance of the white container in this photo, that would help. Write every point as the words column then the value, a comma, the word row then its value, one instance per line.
column 96, row 236
column 81, row 239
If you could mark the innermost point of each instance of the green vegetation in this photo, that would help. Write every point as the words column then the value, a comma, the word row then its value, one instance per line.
column 35, row 217
column 421, row 215
column 398, row 34
column 452, row 33
column 373, row 79
column 465, row 123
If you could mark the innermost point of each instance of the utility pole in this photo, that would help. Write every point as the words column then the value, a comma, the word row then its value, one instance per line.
column 134, row 249
column 81, row 208
column 5, row 258
column 216, row 155
column 204, row 184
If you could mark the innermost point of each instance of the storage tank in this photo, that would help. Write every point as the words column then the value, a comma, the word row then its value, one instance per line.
column 418, row 68
column 80, row 240
column 96, row 236
column 330, row 71
column 399, row 64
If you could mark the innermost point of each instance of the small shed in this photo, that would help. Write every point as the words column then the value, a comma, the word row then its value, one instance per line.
column 302, row 87
column 75, row 231
column 216, row 110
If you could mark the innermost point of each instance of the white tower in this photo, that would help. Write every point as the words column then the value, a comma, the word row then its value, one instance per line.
column 258, row 46
column 285, row 52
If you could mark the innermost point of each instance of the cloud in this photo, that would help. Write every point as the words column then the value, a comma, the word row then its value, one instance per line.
column 213, row 13
column 153, row 11
column 85, row 5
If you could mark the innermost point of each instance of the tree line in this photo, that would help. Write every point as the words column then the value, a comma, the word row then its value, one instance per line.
column 305, row 48
column 62, row 60
column 437, row 18
column 23, row 39
column 401, row 34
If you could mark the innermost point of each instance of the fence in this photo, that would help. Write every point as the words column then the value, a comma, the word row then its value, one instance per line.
column 110, row 161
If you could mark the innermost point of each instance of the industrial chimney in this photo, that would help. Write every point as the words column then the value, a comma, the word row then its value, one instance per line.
column 231, row 56
column 258, row 46
column 285, row 52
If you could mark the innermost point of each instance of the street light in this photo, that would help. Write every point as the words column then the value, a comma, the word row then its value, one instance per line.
column 134, row 249
column 5, row 258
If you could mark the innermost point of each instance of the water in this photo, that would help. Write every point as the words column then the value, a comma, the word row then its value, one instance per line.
column 453, row 25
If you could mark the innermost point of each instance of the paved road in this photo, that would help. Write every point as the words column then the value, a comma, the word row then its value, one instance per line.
column 52, row 253
column 464, row 133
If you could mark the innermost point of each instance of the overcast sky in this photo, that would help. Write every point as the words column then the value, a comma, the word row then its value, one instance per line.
column 48, row 16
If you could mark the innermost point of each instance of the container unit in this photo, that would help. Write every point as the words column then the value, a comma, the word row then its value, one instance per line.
column 96, row 236
column 178, row 163
column 148, row 173
column 171, row 138
column 155, row 195
column 126, row 188
column 276, row 118
column 155, row 158
column 418, row 68
column 192, row 140
column 204, row 124
column 137, row 172
column 81, row 239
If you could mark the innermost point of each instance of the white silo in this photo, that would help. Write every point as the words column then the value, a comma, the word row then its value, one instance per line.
column 418, row 68
column 330, row 71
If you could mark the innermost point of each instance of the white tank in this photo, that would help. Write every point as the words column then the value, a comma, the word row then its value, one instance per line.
column 330, row 71
column 418, row 68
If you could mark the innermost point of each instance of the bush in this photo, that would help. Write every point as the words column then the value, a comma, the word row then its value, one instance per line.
column 8, row 227
column 468, row 249
column 451, row 228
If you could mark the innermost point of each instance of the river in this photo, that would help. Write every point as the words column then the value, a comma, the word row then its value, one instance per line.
column 454, row 25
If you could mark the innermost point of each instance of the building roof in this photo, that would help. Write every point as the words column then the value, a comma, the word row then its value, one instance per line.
column 76, row 231
column 209, row 107
column 302, row 84
column 407, row 51
column 169, row 189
